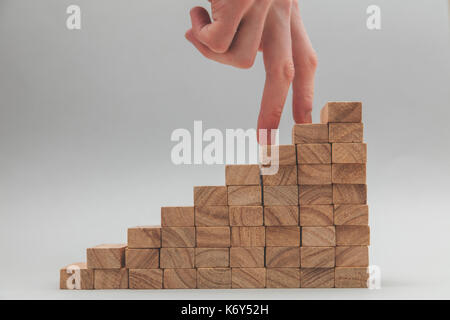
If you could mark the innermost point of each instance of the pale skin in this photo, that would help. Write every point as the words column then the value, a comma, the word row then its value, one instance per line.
column 240, row 28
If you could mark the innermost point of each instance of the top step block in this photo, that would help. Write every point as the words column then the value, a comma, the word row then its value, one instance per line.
column 310, row 133
column 334, row 112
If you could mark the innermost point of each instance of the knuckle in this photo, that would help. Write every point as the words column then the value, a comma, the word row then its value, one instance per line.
column 218, row 45
column 245, row 62
column 282, row 71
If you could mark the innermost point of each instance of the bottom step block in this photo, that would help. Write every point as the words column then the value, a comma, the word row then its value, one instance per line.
column 351, row 277
column 283, row 278
column 317, row 278
column 111, row 278
column 146, row 278
column 76, row 276
column 213, row 278
column 248, row 278
column 180, row 279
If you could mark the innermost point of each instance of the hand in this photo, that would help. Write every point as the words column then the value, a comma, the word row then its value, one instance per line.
column 241, row 28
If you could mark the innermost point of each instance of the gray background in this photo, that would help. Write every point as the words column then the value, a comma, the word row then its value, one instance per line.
column 86, row 118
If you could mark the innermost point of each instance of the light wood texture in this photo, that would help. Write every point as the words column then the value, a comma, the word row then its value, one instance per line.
column 346, row 132
column 282, row 278
column 213, row 237
column 314, row 153
column 142, row 258
column 210, row 196
column 352, row 256
column 180, row 278
column 244, row 196
column 248, row 278
column 211, row 216
column 317, row 257
column 315, row 194
column 111, row 278
column 106, row 256
column 246, row 216
column 145, row 278
column 351, row 277
column 316, row 215
column 247, row 257
column 317, row 278
column 352, row 235
column 311, row 174
column 318, row 236
column 349, row 173
column 286, row 155
column 144, row 237
column 286, row 176
column 85, row 280
column 177, row 258
column 349, row 153
column 177, row 216
column 280, row 195
column 349, row 193
column 213, row 278
column 310, row 133
column 212, row 257
column 242, row 175
column 281, row 216
column 341, row 112
column 248, row 236
column 178, row 237
column 283, row 236
column 282, row 257
column 351, row 214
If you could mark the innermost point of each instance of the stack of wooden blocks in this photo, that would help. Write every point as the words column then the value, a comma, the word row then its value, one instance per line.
column 304, row 227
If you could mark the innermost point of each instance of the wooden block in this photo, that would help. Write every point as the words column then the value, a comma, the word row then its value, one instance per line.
column 177, row 216
column 213, row 278
column 248, row 278
column 282, row 257
column 349, row 173
column 111, row 278
column 247, row 257
column 286, row 176
column 352, row 256
column 346, row 132
column 76, row 276
column 106, row 256
column 283, row 236
column 352, row 235
column 351, row 214
column 349, row 153
column 244, row 196
column 177, row 258
column 248, row 236
column 246, row 216
column 142, row 258
column 341, row 112
column 310, row 133
column 144, row 237
column 314, row 153
column 351, row 277
column 213, row 237
column 145, row 278
column 280, row 195
column 317, row 278
column 282, row 278
column 178, row 237
column 281, row 216
column 316, row 215
column 180, row 278
column 349, row 193
column 212, row 257
column 318, row 236
column 211, row 216
column 242, row 175
column 286, row 155
column 318, row 257
column 311, row 174
column 315, row 194
column 210, row 196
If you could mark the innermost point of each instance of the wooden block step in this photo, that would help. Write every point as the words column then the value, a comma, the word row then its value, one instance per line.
column 246, row 216
column 315, row 194
column 106, row 256
column 349, row 153
column 352, row 235
column 281, row 216
column 349, row 193
column 310, row 133
column 283, row 278
column 142, row 258
column 286, row 155
column 246, row 257
column 180, row 278
column 283, row 257
column 248, row 236
column 285, row 236
column 314, row 153
column 212, row 257
column 280, row 195
column 346, row 132
column 286, row 176
column 351, row 214
column 145, row 278
column 178, row 237
column 214, row 278
column 317, row 278
column 312, row 174
column 177, row 216
column 76, row 276
column 210, row 196
column 244, row 196
column 351, row 277
column 349, row 173
column 352, row 256
column 242, row 175
column 317, row 257
column 213, row 237
column 319, row 215
column 111, row 278
column 144, row 237
column 212, row 216
column 341, row 112
column 318, row 236
column 248, row 278
column 177, row 258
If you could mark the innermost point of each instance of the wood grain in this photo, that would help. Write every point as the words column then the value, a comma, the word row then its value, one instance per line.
column 106, row 256
column 317, row 278
column 341, row 112
column 213, row 278
column 352, row 256
column 281, row 216
column 178, row 237
column 280, row 195
column 86, row 277
column 349, row 193
column 212, row 257
column 248, row 237
column 142, row 258
column 145, row 278
column 316, row 215
column 283, row 278
column 180, row 278
column 244, row 196
column 177, row 216
column 346, row 132
column 351, row 277
column 352, row 235
column 286, row 236
column 246, row 216
column 317, row 257
column 211, row 216
column 213, row 237
column 312, row 174
column 177, row 258
column 351, row 214
column 246, row 257
column 242, row 175
column 248, row 278
column 144, row 237
column 210, row 196
column 315, row 194
column 282, row 257
column 349, row 153
column 310, row 133
column 349, row 173
column 286, row 155
column 314, row 153
column 286, row 176
column 318, row 236
column 111, row 278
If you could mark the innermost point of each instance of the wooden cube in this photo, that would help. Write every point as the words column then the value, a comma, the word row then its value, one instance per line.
column 346, row 132
column 283, row 257
column 349, row 153
column 106, row 256
column 76, row 276
column 349, row 193
column 111, row 278
column 213, row 278
column 211, row 216
column 210, row 196
column 282, row 278
column 314, row 153
column 349, row 173
column 248, row 237
column 247, row 257
column 317, row 278
column 286, row 176
column 281, row 216
column 177, row 216
column 246, row 216
column 212, row 257
column 213, row 237
column 311, row 174
column 351, row 214
column 351, row 277
column 242, row 175
column 286, row 155
column 177, row 258
column 248, row 278
column 244, row 196
column 280, row 195
column 352, row 235
column 341, row 112
column 310, row 133
column 178, row 237
column 315, row 194
column 318, row 257
column 142, row 258
column 283, row 236
column 318, row 236
column 180, row 278
column 144, row 237
column 352, row 256
column 316, row 215
column 145, row 278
